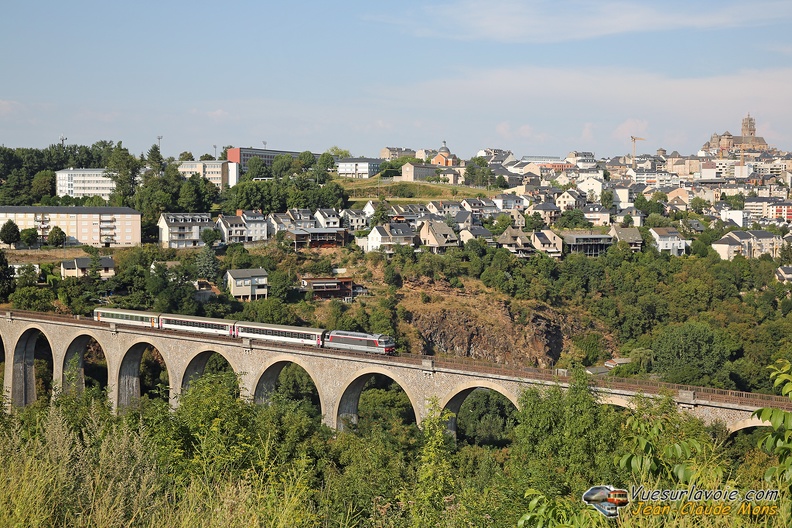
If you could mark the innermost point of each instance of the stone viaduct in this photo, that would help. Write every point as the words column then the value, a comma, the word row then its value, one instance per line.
column 339, row 376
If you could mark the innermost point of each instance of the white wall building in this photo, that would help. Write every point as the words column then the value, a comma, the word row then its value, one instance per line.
column 219, row 172
column 668, row 240
column 358, row 167
column 183, row 230
column 79, row 183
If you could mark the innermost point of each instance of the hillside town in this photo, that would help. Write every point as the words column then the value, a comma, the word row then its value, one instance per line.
column 546, row 204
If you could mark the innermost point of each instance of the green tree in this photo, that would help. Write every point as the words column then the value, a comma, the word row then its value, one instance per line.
column 158, row 194
column 281, row 165
column 280, row 284
column 697, row 204
column 206, row 157
column 326, row 162
column 210, row 236
column 572, row 219
column 564, row 440
column 32, row 298
column 392, row 277
column 16, row 189
column 778, row 439
column 736, row 202
column 206, row 264
column 6, row 277
column 190, row 196
column 435, row 482
column 657, row 220
column 9, row 233
column 27, row 276
column 659, row 197
column 256, row 168
column 56, row 237
column 224, row 152
column 154, row 159
column 29, row 236
column 273, row 311
column 380, row 214
column 186, row 156
column 500, row 225
column 606, row 199
column 648, row 207
column 534, row 222
column 123, row 169
column 478, row 173
column 486, row 418
column 627, row 221
column 338, row 152
column 43, row 184
column 690, row 353
column 306, row 159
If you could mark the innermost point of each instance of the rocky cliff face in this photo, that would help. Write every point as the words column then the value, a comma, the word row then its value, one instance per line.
column 482, row 329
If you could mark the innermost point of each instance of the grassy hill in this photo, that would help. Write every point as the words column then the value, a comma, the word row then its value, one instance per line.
column 362, row 190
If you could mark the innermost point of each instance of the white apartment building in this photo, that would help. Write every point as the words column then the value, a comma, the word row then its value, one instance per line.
column 183, row 230
column 94, row 226
column 80, row 183
column 219, row 172
column 652, row 178
column 358, row 167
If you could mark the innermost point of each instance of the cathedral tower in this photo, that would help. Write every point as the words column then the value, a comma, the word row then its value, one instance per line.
column 749, row 126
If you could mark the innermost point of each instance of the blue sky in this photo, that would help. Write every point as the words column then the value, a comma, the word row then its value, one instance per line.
column 535, row 77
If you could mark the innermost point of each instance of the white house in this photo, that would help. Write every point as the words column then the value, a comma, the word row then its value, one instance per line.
column 591, row 187
column 327, row 218
column 668, row 240
column 353, row 220
column 385, row 237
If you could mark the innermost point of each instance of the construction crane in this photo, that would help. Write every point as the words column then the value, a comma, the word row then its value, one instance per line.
column 634, row 139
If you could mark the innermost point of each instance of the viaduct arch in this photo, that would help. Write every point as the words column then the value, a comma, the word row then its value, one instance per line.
column 338, row 375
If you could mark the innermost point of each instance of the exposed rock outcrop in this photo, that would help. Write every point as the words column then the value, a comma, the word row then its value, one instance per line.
column 535, row 336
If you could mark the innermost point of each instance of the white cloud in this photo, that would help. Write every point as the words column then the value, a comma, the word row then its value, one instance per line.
column 588, row 132
column 9, row 107
column 108, row 116
column 630, row 127
column 564, row 20
column 217, row 114
column 505, row 131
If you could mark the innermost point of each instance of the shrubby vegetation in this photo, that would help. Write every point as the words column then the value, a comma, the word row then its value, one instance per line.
column 218, row 460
